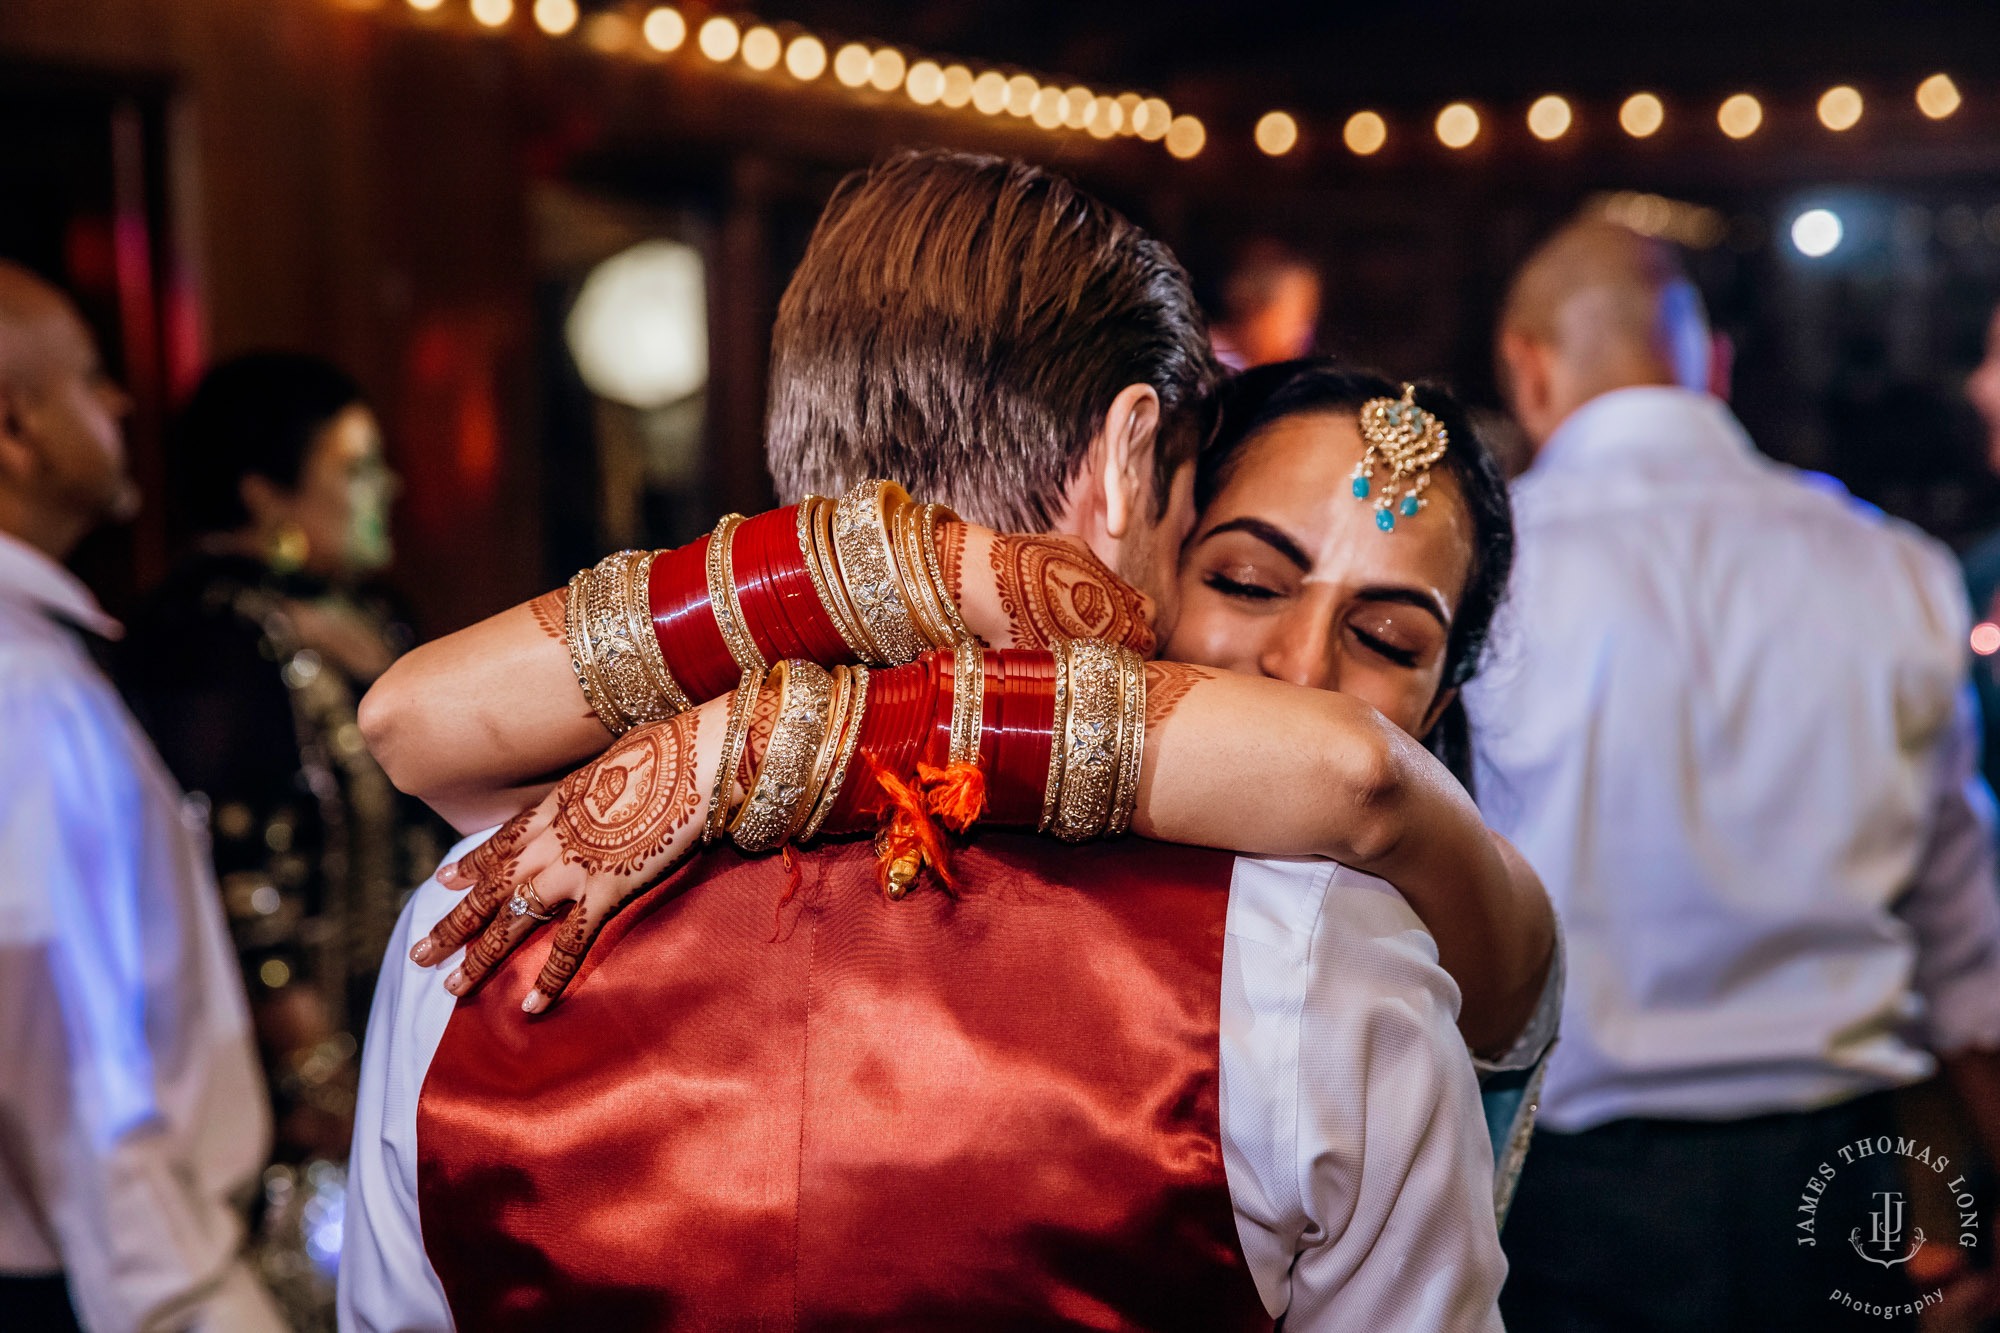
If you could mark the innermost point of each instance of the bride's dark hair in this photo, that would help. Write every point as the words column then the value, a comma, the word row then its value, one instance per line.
column 1255, row 399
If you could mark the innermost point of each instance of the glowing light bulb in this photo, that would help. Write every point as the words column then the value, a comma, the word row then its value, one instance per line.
column 989, row 93
column 761, row 48
column 1106, row 118
column 1047, row 108
column 1642, row 115
column 610, row 32
column 1549, row 118
column 1739, row 116
column 493, row 13
column 1155, row 116
column 957, row 87
column 1021, row 92
column 425, row 6
column 886, row 69
column 1364, row 133
column 925, row 83
column 719, row 38
column 555, row 17
column 1185, row 137
column 1986, row 638
column 1937, row 96
column 1840, row 108
column 665, row 29
column 1276, row 133
column 1128, row 107
column 850, row 64
column 1457, row 125
column 805, row 58
column 1076, row 107
column 1816, row 232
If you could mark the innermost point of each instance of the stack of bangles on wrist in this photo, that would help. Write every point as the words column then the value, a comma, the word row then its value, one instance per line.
column 651, row 633
column 1012, row 738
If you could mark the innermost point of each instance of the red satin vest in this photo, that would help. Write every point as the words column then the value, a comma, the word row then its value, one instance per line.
column 998, row 1112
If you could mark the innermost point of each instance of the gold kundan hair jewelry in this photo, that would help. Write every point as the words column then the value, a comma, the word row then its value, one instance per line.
column 864, row 541
column 1405, row 440
column 722, row 596
column 734, row 737
column 783, row 782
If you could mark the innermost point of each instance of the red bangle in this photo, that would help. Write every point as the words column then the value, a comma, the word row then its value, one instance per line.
column 901, row 703
column 935, row 748
column 1018, row 735
column 684, row 623
column 757, row 583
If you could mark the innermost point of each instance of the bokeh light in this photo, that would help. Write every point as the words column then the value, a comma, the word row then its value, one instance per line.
column 989, row 93
column 1986, row 638
column 1076, row 107
column 1153, row 118
column 1816, row 232
column 1549, row 118
column 886, row 69
column 1739, row 116
column 761, row 48
column 665, row 29
column 719, row 38
column 1047, row 108
column 1457, row 125
column 493, row 13
column 850, row 64
column 924, row 83
column 1840, row 108
column 555, row 17
column 1185, row 137
column 1128, row 106
column 1642, row 115
column 1021, row 91
column 957, row 87
column 1106, row 118
column 425, row 6
column 1937, row 96
column 1276, row 133
column 1364, row 133
column 805, row 58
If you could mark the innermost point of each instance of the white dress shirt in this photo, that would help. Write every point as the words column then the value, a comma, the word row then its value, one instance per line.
column 1726, row 721
column 1357, row 1160
column 132, row 1110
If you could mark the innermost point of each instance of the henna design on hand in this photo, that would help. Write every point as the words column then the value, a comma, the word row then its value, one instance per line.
column 763, row 721
column 549, row 610
column 1052, row 589
column 491, row 866
column 621, row 810
column 951, row 560
column 1167, row 683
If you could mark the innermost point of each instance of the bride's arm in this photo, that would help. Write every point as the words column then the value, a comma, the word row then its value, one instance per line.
column 1254, row 765
column 480, row 723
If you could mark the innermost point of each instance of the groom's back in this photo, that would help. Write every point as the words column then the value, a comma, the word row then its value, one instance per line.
column 999, row 1111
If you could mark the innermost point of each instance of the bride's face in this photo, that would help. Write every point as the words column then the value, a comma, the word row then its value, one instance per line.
column 1287, row 575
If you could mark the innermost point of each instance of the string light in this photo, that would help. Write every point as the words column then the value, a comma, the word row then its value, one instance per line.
column 761, row 48
column 425, row 6
column 1155, row 118
column 925, row 82
column 555, row 17
column 1276, row 133
column 957, row 87
column 1185, row 137
column 1937, row 96
column 989, row 93
column 719, row 38
column 665, row 29
column 1457, row 125
column 493, row 13
column 1076, row 107
column 1840, row 108
column 1106, row 118
column 1642, row 115
column 1549, row 118
column 805, row 58
column 850, row 64
column 1046, row 110
column 1128, row 109
column 611, row 32
column 886, row 69
column 1021, row 92
column 1364, row 133
column 1740, row 116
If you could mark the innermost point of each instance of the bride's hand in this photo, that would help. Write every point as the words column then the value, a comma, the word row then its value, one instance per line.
column 607, row 832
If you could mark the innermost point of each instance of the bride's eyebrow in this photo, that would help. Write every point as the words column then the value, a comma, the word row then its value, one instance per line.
column 1275, row 538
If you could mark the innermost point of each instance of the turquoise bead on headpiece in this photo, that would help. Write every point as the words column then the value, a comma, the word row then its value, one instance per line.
column 1404, row 440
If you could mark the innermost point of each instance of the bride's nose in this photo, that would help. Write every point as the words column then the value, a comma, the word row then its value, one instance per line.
column 1301, row 647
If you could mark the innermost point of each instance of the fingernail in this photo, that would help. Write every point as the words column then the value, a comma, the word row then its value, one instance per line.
column 535, row 1003
column 448, row 872
column 422, row 953
column 456, row 980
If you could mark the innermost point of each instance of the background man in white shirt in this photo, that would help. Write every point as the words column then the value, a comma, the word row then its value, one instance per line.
column 132, row 1115
column 1728, row 726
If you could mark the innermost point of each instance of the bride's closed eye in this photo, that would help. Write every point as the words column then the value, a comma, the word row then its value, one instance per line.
column 1241, row 583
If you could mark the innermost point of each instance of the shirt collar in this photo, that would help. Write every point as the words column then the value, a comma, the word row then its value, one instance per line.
column 1640, row 420
column 26, row 574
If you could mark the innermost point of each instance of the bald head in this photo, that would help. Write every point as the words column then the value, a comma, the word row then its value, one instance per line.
column 1597, row 307
column 62, row 454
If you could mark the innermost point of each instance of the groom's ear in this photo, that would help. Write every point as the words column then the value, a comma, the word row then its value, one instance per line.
column 1124, row 454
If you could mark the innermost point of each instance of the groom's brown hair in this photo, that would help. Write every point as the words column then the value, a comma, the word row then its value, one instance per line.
column 961, row 323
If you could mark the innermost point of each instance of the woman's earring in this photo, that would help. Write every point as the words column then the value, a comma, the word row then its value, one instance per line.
column 288, row 548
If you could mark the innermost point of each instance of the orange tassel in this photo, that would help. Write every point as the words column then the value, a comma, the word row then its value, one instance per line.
column 908, row 838
column 957, row 793
column 795, row 879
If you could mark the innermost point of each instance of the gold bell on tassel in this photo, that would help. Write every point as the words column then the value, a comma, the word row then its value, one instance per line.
column 902, row 875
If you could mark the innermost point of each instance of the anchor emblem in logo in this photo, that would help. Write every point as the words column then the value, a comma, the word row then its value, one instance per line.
column 1885, row 1233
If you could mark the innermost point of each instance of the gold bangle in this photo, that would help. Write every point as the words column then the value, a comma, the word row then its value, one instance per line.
column 862, row 540
column 925, row 614
column 814, row 519
column 734, row 737
column 1053, row 790
column 582, row 657
column 968, row 703
column 670, row 698
column 843, row 601
column 845, row 746
column 947, row 599
column 829, row 745
column 1089, row 740
column 780, row 787
column 1131, row 740
column 722, row 596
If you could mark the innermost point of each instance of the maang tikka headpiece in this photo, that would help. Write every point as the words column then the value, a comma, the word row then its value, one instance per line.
column 1404, row 439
